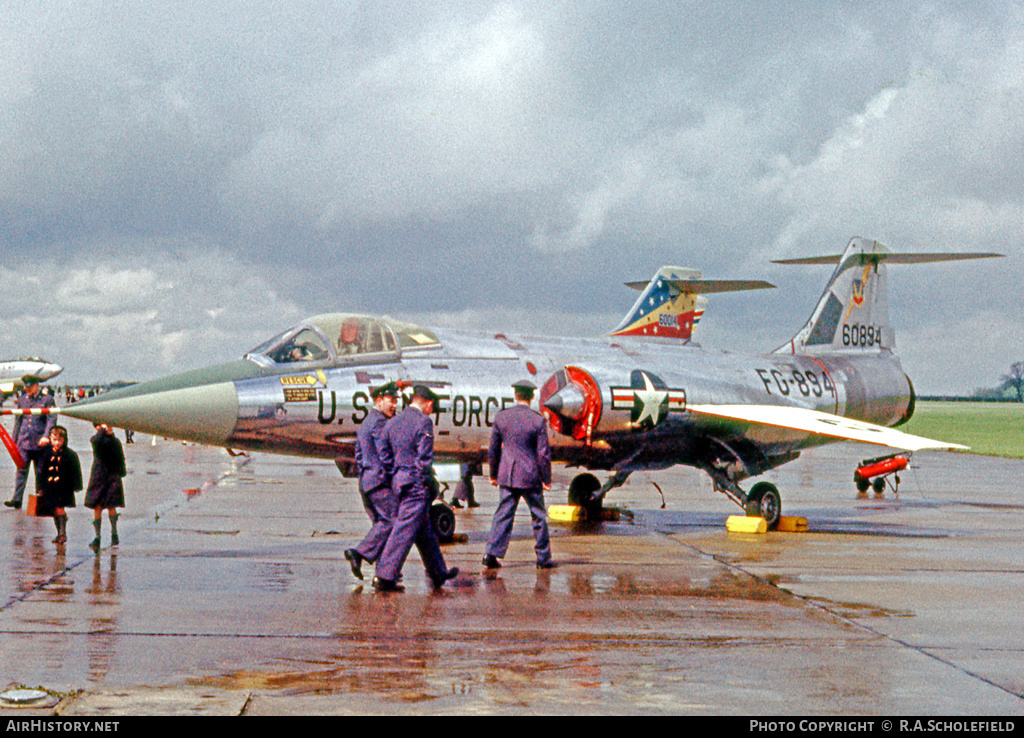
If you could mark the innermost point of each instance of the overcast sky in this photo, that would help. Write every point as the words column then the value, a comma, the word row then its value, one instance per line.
column 179, row 181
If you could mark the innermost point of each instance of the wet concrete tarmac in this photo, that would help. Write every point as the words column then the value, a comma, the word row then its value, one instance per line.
column 229, row 595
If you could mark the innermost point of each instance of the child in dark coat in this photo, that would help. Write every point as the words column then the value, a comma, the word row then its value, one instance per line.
column 105, row 491
column 59, row 478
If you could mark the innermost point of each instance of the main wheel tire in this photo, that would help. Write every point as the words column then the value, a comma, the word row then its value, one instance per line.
column 768, row 502
column 442, row 518
column 582, row 490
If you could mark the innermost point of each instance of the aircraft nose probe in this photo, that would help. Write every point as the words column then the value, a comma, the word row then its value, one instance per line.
column 204, row 414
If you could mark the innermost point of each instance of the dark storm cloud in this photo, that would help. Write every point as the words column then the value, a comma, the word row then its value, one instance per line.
column 272, row 159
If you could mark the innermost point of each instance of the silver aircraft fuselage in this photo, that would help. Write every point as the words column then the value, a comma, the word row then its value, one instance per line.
column 642, row 397
column 625, row 399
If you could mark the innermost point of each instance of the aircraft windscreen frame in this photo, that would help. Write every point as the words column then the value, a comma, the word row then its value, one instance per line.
column 359, row 337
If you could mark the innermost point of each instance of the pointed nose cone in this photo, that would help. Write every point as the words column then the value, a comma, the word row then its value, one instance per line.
column 204, row 414
column 50, row 371
column 567, row 402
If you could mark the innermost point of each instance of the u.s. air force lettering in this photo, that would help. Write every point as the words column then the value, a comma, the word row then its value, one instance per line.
column 463, row 410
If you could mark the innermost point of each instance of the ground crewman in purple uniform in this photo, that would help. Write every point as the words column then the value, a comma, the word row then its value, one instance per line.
column 374, row 479
column 32, row 435
column 407, row 446
column 519, row 458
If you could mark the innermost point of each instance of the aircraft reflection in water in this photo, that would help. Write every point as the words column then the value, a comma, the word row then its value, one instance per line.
column 640, row 398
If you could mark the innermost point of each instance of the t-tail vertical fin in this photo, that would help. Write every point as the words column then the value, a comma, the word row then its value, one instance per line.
column 852, row 315
column 672, row 302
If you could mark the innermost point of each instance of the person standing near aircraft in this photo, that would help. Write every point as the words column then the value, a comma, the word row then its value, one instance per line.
column 519, row 458
column 32, row 435
column 407, row 446
column 60, row 477
column 374, row 479
column 105, row 491
column 464, row 491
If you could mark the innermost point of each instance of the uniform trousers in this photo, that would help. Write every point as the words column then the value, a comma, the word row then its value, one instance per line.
column 412, row 526
column 380, row 507
column 504, row 516
column 33, row 458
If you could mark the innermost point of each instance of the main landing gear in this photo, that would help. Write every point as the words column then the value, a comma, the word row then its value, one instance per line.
column 585, row 492
column 763, row 500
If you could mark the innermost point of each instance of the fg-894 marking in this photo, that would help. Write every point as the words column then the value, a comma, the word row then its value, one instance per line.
column 807, row 382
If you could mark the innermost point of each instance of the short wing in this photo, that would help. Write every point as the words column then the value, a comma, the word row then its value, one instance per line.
column 824, row 424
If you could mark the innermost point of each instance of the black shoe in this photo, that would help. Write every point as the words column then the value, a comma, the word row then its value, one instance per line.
column 114, row 540
column 355, row 560
column 13, row 503
column 95, row 545
column 547, row 565
column 456, row 504
column 386, row 585
column 490, row 562
column 452, row 573
column 473, row 503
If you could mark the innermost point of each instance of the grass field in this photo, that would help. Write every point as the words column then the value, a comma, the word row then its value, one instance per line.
column 990, row 428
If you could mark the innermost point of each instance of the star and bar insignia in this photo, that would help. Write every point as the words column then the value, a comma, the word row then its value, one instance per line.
column 648, row 399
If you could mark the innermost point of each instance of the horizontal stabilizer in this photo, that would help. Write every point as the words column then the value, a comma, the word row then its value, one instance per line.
column 852, row 314
column 708, row 286
column 893, row 258
column 824, row 424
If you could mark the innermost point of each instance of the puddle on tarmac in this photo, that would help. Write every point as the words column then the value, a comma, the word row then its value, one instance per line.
column 856, row 610
column 723, row 586
column 521, row 633
column 993, row 505
column 871, row 528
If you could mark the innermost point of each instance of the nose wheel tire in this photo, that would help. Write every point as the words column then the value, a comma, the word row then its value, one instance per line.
column 442, row 518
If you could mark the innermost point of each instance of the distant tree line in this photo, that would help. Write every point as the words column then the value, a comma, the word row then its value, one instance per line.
column 1010, row 389
column 1015, row 380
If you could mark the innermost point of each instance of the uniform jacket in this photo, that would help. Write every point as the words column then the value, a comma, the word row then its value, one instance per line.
column 520, row 454
column 108, row 468
column 371, row 468
column 28, row 429
column 60, row 476
column 407, row 447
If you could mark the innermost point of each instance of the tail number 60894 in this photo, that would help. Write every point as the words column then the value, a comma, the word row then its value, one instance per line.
column 862, row 335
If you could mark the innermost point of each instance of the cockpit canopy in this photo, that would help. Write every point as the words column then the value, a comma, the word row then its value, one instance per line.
column 342, row 338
